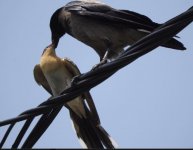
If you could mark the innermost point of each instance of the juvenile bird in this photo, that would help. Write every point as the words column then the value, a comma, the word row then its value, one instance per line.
column 107, row 30
column 55, row 75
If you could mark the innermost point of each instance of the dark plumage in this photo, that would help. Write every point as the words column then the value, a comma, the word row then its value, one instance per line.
column 107, row 30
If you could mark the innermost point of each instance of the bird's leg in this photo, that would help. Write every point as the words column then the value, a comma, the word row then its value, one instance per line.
column 75, row 79
column 106, row 55
column 103, row 61
column 105, row 58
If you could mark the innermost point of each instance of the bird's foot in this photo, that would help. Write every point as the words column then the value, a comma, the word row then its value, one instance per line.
column 104, row 61
column 75, row 79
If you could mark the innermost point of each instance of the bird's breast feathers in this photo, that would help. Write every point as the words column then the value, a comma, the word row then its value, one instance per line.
column 50, row 64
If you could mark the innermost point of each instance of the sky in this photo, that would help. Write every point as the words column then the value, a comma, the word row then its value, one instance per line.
column 147, row 104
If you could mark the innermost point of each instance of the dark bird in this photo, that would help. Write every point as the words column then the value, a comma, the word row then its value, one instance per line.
column 55, row 75
column 107, row 30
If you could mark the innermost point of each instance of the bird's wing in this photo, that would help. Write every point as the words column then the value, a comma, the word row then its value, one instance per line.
column 75, row 71
column 40, row 78
column 108, row 14
column 71, row 66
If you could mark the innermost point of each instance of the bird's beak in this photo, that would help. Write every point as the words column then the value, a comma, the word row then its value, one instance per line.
column 55, row 41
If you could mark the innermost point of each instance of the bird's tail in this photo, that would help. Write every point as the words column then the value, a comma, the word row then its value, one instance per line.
column 91, row 134
column 174, row 44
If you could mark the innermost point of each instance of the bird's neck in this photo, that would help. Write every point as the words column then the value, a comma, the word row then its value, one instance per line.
column 49, row 52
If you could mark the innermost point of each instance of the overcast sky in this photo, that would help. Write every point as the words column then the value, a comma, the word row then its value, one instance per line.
column 148, row 104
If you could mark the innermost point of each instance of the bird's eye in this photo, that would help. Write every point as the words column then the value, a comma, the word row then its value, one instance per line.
column 48, row 46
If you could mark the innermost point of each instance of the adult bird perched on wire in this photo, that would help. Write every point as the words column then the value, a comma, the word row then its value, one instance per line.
column 55, row 75
column 107, row 30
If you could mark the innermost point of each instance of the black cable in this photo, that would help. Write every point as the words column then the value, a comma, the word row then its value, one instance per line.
column 6, row 135
column 91, row 79
column 22, row 132
column 133, row 56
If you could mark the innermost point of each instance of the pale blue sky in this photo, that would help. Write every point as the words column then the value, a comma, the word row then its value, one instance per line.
column 148, row 104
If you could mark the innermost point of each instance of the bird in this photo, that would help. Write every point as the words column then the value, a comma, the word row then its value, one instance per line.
column 54, row 74
column 105, row 29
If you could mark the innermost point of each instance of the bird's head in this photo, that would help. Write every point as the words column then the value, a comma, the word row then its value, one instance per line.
column 57, row 27
column 49, row 49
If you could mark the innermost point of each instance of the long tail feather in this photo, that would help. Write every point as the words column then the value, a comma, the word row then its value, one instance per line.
column 90, row 134
column 174, row 44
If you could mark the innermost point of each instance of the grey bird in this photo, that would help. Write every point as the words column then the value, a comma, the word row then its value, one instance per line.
column 107, row 30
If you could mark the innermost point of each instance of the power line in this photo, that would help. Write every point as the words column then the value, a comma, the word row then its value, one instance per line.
column 87, row 81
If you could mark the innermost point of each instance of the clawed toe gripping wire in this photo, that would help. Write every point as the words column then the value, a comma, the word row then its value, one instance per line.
column 50, row 108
